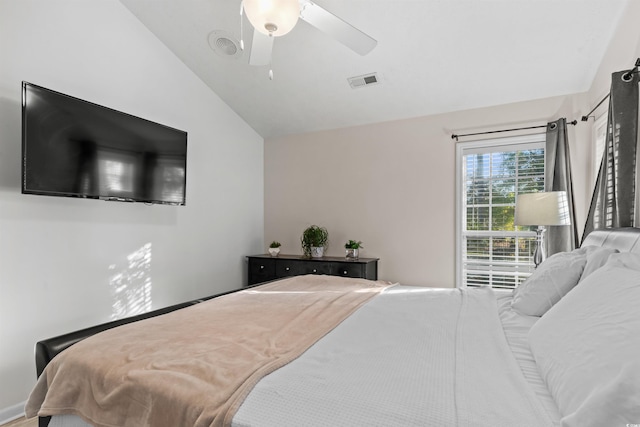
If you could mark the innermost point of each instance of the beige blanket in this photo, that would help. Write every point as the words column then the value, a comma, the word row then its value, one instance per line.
column 195, row 366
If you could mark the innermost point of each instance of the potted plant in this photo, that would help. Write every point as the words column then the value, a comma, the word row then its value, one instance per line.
column 274, row 248
column 314, row 241
column 353, row 247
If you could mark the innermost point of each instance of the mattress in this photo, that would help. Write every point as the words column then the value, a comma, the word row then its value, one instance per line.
column 282, row 398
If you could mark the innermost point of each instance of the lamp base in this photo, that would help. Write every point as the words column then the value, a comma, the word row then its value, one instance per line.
column 539, row 254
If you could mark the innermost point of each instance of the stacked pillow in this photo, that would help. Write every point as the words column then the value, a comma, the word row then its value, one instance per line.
column 555, row 277
column 587, row 346
column 596, row 258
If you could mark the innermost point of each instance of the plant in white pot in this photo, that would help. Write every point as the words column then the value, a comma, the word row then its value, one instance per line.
column 274, row 248
column 314, row 241
column 352, row 248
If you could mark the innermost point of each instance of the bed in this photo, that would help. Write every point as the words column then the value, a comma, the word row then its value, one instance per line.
column 563, row 349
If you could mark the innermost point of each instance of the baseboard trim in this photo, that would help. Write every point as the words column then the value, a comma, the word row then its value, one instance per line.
column 12, row 413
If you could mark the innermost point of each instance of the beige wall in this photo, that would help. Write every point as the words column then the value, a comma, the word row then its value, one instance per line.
column 392, row 185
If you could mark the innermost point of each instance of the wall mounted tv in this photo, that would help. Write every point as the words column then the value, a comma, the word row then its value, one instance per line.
column 75, row 148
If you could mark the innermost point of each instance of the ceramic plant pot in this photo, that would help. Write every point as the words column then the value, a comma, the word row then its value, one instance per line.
column 274, row 251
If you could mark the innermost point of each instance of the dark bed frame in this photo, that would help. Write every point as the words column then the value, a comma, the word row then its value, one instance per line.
column 47, row 349
column 623, row 239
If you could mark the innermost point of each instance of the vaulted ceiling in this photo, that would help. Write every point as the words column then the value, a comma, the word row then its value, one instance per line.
column 432, row 56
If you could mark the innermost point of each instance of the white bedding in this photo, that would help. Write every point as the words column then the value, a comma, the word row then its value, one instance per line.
column 439, row 357
column 516, row 328
column 586, row 347
column 410, row 357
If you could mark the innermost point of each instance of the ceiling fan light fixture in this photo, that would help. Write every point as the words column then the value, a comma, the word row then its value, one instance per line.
column 272, row 17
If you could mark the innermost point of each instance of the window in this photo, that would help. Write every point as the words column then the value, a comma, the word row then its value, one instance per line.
column 491, row 250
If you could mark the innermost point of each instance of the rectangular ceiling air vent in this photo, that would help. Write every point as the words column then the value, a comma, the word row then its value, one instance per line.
column 364, row 80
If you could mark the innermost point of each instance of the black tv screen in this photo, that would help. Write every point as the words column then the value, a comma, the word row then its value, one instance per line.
column 75, row 148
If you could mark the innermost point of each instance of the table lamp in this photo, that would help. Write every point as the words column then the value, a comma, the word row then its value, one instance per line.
column 542, row 209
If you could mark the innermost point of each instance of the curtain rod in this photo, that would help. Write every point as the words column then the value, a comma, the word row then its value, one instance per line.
column 633, row 70
column 625, row 76
column 454, row 136
column 585, row 118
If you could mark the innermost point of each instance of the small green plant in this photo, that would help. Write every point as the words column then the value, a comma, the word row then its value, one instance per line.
column 314, row 236
column 352, row 244
column 275, row 244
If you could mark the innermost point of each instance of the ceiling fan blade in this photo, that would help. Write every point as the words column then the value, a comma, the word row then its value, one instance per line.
column 261, row 48
column 335, row 27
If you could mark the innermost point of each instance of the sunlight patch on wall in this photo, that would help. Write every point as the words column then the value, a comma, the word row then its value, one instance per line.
column 131, row 286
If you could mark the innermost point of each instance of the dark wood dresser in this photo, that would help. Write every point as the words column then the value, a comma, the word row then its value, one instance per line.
column 263, row 268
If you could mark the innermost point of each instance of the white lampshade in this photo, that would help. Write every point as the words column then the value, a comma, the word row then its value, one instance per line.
column 272, row 17
column 549, row 208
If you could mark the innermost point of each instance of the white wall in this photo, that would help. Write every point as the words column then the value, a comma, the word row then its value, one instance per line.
column 623, row 51
column 60, row 257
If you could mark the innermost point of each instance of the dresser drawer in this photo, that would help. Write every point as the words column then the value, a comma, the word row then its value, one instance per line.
column 311, row 267
column 347, row 270
column 286, row 268
column 261, row 270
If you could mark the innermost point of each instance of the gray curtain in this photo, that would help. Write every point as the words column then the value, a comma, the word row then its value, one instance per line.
column 557, row 177
column 614, row 199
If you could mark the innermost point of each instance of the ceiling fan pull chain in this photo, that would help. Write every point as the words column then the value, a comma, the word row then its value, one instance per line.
column 271, row 62
column 241, row 31
column 271, row 67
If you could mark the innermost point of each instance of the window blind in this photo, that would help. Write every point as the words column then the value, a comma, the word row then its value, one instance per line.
column 495, row 252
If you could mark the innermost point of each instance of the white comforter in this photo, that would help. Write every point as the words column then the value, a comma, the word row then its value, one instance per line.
column 410, row 357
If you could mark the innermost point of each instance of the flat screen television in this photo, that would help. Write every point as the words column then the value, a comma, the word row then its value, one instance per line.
column 76, row 148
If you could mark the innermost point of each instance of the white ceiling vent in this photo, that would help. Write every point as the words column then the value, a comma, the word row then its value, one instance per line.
column 224, row 44
column 364, row 80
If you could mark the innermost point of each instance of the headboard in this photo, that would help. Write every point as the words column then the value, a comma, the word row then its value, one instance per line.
column 622, row 239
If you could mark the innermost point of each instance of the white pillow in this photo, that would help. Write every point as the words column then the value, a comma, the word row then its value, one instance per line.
column 587, row 347
column 596, row 258
column 613, row 403
column 556, row 276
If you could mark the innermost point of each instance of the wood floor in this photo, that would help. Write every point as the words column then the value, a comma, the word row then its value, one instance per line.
column 21, row 422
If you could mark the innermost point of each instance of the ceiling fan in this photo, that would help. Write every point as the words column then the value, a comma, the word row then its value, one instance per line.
column 274, row 18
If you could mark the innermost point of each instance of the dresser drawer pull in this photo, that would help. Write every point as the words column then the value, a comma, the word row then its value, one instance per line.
column 344, row 272
column 315, row 271
column 287, row 269
column 261, row 267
